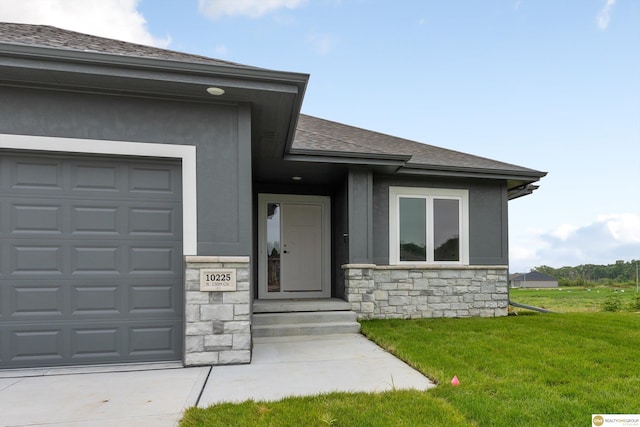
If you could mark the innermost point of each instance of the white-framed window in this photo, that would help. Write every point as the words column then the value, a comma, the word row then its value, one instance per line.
column 428, row 226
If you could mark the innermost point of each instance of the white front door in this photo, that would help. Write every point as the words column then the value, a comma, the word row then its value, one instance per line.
column 294, row 255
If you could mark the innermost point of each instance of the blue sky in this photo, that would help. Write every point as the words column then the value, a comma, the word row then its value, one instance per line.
column 551, row 85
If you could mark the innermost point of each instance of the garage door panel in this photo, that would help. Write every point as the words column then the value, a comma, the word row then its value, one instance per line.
column 79, row 300
column 153, row 340
column 5, row 356
column 153, row 221
column 152, row 180
column 37, row 345
column 36, row 218
column 100, row 177
column 96, row 300
column 31, row 174
column 152, row 299
column 96, row 342
column 159, row 259
column 91, row 265
column 37, row 301
column 95, row 260
column 23, row 300
column 90, row 220
column 36, row 259
column 5, row 253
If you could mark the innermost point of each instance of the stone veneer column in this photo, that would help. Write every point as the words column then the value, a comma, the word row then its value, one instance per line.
column 217, row 324
column 359, row 287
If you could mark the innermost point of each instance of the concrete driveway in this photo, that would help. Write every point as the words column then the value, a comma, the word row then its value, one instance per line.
column 157, row 394
column 148, row 395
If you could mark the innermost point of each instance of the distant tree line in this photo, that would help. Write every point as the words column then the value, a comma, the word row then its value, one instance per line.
column 620, row 272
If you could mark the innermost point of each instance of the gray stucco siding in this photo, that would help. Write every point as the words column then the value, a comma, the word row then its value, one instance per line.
column 360, row 206
column 488, row 224
column 488, row 228
column 340, row 247
column 221, row 134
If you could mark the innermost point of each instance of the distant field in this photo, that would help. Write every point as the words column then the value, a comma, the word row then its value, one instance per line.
column 575, row 299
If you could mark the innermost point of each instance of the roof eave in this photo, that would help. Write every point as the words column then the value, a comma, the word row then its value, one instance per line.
column 326, row 156
column 521, row 191
column 519, row 183
column 432, row 170
column 110, row 60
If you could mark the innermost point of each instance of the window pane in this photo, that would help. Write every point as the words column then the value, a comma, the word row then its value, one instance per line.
column 413, row 229
column 273, row 247
column 446, row 233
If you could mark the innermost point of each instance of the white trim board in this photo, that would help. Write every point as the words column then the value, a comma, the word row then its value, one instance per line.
column 186, row 153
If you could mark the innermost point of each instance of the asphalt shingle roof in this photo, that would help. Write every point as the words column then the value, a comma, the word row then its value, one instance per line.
column 315, row 134
column 53, row 37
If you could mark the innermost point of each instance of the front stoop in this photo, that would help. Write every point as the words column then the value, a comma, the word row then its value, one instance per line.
column 294, row 318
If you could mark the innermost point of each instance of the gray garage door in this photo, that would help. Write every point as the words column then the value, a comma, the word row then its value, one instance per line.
column 90, row 260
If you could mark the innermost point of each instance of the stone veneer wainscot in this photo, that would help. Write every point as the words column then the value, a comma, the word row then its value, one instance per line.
column 417, row 291
column 217, row 324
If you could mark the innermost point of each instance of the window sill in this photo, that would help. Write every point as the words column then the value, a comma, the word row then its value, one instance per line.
column 427, row 267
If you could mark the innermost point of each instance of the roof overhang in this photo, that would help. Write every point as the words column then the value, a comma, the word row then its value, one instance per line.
column 373, row 159
column 275, row 96
column 518, row 184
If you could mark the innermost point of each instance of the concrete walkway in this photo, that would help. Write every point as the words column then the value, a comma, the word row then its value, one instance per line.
column 157, row 394
column 307, row 365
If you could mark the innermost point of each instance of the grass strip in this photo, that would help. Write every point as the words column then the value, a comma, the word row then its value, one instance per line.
column 393, row 408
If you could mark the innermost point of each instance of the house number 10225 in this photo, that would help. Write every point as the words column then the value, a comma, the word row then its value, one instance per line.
column 218, row 277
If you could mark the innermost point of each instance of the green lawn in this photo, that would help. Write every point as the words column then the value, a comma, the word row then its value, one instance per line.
column 526, row 370
column 576, row 299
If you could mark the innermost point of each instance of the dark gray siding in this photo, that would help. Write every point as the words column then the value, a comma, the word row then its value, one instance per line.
column 340, row 252
column 488, row 228
column 220, row 132
column 488, row 224
column 360, row 194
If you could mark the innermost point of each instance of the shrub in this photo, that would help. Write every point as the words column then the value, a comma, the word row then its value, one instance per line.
column 565, row 283
column 634, row 305
column 612, row 303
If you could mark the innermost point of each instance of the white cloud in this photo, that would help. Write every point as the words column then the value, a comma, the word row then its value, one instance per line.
column 253, row 8
column 609, row 238
column 221, row 50
column 624, row 228
column 118, row 19
column 564, row 231
column 322, row 43
column 604, row 16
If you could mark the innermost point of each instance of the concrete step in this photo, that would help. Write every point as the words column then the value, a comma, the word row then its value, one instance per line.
column 292, row 305
column 297, row 329
column 304, row 323
column 264, row 319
